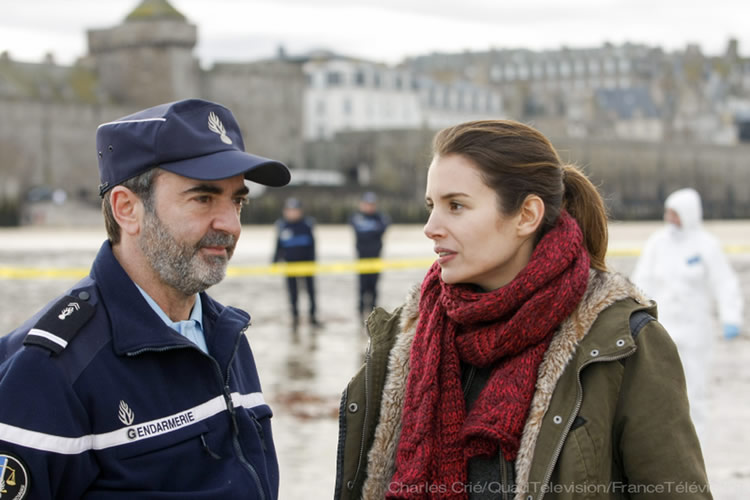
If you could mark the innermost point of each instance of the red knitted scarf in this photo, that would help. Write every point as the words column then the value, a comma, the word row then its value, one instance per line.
column 509, row 328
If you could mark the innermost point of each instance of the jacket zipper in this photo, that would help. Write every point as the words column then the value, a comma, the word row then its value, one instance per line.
column 233, row 415
column 261, row 434
column 579, row 400
column 228, row 400
column 469, row 379
column 236, row 443
column 365, row 404
column 503, row 478
column 341, row 445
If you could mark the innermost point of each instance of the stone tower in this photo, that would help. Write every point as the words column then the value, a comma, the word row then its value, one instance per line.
column 148, row 59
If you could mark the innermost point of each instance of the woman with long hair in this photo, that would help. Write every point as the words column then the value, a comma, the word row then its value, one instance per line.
column 521, row 367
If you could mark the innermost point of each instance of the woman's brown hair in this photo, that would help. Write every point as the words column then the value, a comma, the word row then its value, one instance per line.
column 517, row 161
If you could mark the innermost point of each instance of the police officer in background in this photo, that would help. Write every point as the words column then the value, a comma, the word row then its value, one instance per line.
column 295, row 242
column 135, row 381
column 369, row 226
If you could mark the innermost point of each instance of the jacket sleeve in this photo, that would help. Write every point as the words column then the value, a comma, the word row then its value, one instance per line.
column 654, row 435
column 642, row 272
column 311, row 224
column 386, row 221
column 44, row 428
column 724, row 283
column 277, row 254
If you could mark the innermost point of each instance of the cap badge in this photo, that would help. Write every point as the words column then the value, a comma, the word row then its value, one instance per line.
column 215, row 125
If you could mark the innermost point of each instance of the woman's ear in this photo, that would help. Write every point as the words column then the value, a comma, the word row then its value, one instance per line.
column 530, row 215
column 127, row 210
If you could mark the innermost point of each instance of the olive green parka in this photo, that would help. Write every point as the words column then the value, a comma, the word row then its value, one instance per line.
column 609, row 417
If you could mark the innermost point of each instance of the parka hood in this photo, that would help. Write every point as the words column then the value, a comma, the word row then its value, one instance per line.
column 687, row 203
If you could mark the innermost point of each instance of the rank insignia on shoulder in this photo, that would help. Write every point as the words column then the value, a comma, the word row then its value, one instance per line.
column 60, row 324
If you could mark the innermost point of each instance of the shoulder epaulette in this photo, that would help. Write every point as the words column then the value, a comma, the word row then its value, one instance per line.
column 61, row 323
column 638, row 320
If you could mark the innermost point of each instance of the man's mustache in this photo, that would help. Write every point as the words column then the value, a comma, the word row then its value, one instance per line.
column 218, row 239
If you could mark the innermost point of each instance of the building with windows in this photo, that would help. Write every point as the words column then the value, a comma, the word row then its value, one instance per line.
column 695, row 97
column 346, row 94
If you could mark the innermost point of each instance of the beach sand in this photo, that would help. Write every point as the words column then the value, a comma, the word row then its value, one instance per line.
column 303, row 373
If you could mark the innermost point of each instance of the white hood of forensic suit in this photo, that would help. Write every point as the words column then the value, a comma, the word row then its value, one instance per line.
column 687, row 203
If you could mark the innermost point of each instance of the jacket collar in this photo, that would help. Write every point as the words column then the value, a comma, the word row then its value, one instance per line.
column 136, row 327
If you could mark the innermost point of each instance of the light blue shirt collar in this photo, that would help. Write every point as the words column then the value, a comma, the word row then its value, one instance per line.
column 191, row 329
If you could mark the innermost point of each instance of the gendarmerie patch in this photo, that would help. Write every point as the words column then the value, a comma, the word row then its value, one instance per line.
column 60, row 324
column 14, row 477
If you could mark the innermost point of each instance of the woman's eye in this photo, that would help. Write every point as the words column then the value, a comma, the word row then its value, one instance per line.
column 455, row 206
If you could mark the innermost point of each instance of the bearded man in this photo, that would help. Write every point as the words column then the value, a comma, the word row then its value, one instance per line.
column 135, row 383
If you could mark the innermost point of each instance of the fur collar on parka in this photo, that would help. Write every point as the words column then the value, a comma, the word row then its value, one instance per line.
column 604, row 289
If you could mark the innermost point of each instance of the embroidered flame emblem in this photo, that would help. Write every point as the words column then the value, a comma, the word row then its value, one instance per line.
column 125, row 414
column 215, row 125
column 70, row 309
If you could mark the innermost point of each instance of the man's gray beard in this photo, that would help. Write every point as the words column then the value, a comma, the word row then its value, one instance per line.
column 179, row 265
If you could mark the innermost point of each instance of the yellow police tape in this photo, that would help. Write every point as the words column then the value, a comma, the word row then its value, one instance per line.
column 362, row 266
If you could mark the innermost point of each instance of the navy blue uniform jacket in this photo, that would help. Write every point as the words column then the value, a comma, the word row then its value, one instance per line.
column 369, row 229
column 294, row 240
column 126, row 408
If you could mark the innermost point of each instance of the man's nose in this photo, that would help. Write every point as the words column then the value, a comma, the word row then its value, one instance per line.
column 227, row 218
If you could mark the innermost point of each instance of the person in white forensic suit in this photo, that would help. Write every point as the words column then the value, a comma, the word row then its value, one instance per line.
column 683, row 268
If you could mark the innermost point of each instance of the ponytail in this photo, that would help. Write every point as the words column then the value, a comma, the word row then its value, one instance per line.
column 582, row 201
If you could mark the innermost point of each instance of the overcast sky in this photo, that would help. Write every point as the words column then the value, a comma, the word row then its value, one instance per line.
column 385, row 30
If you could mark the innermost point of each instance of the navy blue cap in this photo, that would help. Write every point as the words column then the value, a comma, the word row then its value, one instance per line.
column 292, row 203
column 193, row 138
column 369, row 197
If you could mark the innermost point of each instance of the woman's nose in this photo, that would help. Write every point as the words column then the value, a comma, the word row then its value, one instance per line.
column 432, row 228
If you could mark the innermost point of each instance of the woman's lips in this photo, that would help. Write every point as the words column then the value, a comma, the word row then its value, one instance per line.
column 445, row 255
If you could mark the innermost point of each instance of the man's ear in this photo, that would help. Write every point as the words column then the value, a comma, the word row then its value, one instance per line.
column 127, row 210
column 530, row 215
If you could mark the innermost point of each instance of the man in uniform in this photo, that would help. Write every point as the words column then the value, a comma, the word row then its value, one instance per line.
column 369, row 226
column 295, row 242
column 136, row 381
